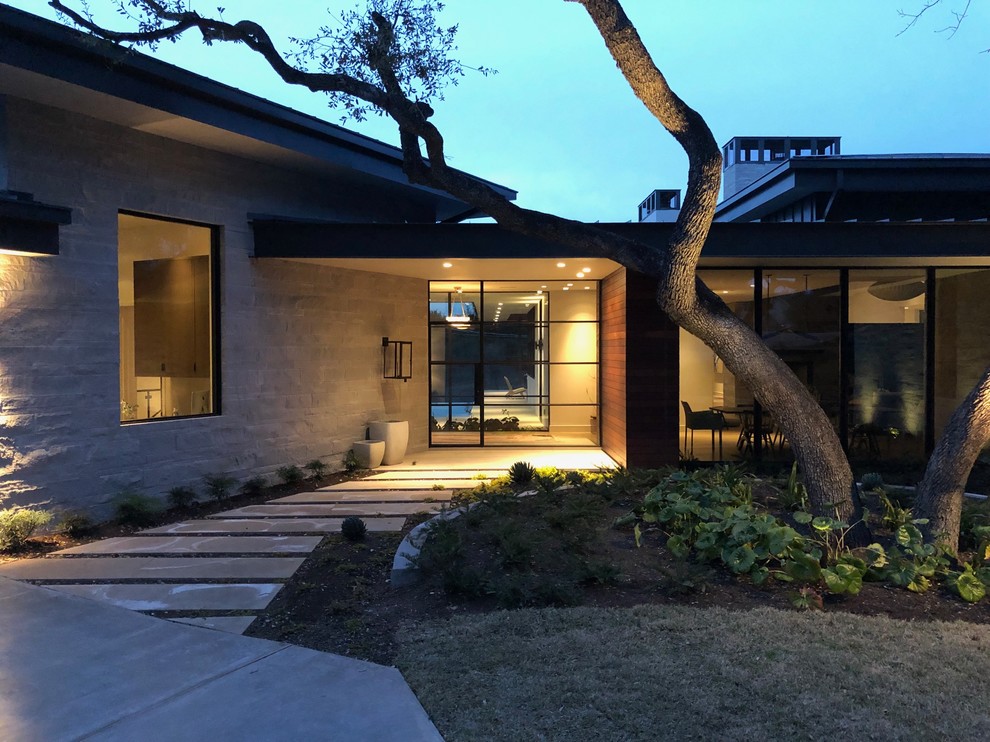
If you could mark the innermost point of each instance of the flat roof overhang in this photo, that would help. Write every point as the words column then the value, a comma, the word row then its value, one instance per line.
column 386, row 248
column 54, row 65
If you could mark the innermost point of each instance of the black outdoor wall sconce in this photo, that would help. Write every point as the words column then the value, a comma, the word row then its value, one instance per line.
column 396, row 359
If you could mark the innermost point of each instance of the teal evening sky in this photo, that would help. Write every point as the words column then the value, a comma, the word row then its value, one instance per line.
column 559, row 124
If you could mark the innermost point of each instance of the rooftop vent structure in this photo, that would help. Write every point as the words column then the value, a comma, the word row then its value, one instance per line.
column 660, row 206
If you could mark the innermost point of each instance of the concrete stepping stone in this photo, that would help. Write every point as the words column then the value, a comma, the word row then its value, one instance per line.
column 329, row 509
column 152, row 568
column 402, row 484
column 198, row 545
column 438, row 474
column 371, row 496
column 229, row 597
column 273, row 525
column 228, row 624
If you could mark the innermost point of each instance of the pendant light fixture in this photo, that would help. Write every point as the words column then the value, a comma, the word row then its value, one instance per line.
column 455, row 317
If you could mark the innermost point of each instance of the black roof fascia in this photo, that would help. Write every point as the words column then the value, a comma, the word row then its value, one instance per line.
column 798, row 177
column 276, row 238
column 53, row 50
column 28, row 226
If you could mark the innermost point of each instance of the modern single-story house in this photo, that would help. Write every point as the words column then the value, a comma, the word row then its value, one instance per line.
column 195, row 280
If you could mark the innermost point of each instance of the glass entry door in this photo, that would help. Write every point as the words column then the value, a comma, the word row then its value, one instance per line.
column 491, row 363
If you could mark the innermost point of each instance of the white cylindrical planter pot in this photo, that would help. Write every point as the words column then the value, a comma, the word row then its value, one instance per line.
column 369, row 453
column 395, row 433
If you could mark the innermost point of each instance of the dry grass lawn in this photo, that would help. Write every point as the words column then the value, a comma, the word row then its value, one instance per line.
column 653, row 672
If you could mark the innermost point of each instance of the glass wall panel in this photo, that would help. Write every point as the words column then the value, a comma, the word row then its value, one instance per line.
column 454, row 403
column 962, row 352
column 706, row 385
column 167, row 314
column 887, row 344
column 503, row 334
column 802, row 316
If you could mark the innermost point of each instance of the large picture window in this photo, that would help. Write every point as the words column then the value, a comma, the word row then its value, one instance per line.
column 167, row 318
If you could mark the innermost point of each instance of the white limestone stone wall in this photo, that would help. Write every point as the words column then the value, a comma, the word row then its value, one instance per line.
column 300, row 342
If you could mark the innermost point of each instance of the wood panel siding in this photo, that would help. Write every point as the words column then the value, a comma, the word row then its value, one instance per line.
column 652, row 377
column 639, row 368
column 613, row 365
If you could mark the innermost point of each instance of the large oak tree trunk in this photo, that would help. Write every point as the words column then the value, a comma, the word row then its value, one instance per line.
column 691, row 305
column 940, row 494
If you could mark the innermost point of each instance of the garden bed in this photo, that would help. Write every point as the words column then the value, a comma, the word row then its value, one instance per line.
column 553, row 548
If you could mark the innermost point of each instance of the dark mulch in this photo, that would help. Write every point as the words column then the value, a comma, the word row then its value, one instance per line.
column 341, row 601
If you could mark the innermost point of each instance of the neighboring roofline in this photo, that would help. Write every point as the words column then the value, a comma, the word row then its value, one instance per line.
column 277, row 238
column 779, row 136
column 783, row 178
column 81, row 59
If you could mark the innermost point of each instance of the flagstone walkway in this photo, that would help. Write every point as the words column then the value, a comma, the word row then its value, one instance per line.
column 222, row 571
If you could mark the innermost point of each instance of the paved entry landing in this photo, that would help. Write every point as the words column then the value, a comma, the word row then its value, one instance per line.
column 222, row 571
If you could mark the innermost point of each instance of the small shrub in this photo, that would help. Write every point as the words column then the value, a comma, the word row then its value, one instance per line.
column 351, row 463
column 253, row 486
column 548, row 478
column 317, row 469
column 17, row 525
column 75, row 525
column 181, row 497
column 218, row 486
column 353, row 528
column 521, row 473
column 872, row 481
column 135, row 509
column 290, row 474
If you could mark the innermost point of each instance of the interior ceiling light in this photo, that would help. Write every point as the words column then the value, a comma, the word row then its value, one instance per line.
column 543, row 286
column 586, row 270
column 561, row 265
column 570, row 284
column 448, row 265
column 580, row 275
column 539, row 291
column 587, row 288
column 897, row 290
column 567, row 288
column 455, row 317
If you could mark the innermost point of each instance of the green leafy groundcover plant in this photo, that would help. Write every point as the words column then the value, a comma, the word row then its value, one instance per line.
column 710, row 515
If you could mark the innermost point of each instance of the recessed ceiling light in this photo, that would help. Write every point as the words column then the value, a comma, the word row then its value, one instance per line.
column 586, row 270
column 725, row 292
column 566, row 288
column 448, row 265
column 539, row 291
column 500, row 303
column 561, row 265
column 543, row 286
column 570, row 284
column 587, row 288
column 580, row 275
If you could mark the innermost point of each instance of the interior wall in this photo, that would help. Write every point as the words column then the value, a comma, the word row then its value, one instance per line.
column 697, row 378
